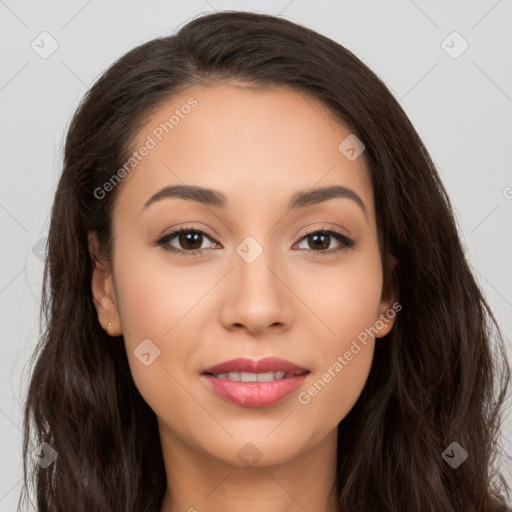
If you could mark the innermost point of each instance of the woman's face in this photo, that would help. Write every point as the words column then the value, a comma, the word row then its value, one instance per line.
column 269, row 280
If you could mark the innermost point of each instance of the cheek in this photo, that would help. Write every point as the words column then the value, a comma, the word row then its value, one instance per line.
column 338, row 385
column 346, row 361
column 155, row 297
column 163, row 304
column 155, row 320
column 347, row 302
column 345, row 298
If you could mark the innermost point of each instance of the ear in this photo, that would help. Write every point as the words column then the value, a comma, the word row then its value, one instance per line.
column 389, row 305
column 103, row 290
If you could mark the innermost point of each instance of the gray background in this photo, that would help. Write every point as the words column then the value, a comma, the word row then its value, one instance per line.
column 461, row 108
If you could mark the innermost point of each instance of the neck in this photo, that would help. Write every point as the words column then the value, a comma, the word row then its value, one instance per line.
column 197, row 482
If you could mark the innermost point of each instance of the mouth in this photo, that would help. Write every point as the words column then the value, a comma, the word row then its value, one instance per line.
column 255, row 377
column 267, row 368
column 253, row 383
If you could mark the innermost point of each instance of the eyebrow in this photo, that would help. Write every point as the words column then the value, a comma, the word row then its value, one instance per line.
column 216, row 199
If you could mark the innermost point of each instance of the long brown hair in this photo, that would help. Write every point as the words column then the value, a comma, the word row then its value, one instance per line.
column 439, row 377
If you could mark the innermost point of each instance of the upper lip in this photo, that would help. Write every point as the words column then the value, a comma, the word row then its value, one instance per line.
column 267, row 364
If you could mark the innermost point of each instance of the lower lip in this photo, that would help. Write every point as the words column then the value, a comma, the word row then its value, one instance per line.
column 254, row 394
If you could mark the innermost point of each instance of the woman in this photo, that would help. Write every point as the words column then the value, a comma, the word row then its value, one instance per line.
column 255, row 293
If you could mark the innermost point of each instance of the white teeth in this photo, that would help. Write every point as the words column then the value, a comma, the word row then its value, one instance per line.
column 247, row 377
column 270, row 376
column 253, row 377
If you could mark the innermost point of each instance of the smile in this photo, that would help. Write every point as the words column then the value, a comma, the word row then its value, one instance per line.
column 254, row 377
column 254, row 383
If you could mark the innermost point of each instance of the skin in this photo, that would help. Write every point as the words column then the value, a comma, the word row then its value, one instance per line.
column 258, row 148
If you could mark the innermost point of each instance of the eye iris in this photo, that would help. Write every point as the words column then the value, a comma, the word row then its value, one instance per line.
column 191, row 237
column 323, row 244
column 193, row 240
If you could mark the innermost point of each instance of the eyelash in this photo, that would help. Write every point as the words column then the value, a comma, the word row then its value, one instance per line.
column 346, row 242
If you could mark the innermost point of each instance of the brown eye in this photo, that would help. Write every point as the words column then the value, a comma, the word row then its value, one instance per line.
column 319, row 242
column 190, row 240
column 187, row 241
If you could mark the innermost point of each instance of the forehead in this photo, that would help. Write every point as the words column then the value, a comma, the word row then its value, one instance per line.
column 253, row 145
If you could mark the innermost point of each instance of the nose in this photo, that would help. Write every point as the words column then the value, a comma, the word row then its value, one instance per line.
column 256, row 297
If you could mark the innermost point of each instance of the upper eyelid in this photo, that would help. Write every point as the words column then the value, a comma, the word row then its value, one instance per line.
column 177, row 231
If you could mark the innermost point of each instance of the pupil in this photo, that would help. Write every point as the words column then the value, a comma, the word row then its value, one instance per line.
column 194, row 239
column 323, row 245
column 191, row 238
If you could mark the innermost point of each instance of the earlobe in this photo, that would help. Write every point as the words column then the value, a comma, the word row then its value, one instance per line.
column 390, row 305
column 103, row 290
column 388, row 313
column 385, row 322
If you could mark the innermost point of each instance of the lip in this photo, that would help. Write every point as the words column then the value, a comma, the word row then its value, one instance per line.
column 267, row 364
column 254, row 394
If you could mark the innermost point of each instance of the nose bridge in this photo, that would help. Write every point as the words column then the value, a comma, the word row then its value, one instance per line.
column 258, row 298
column 253, row 263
